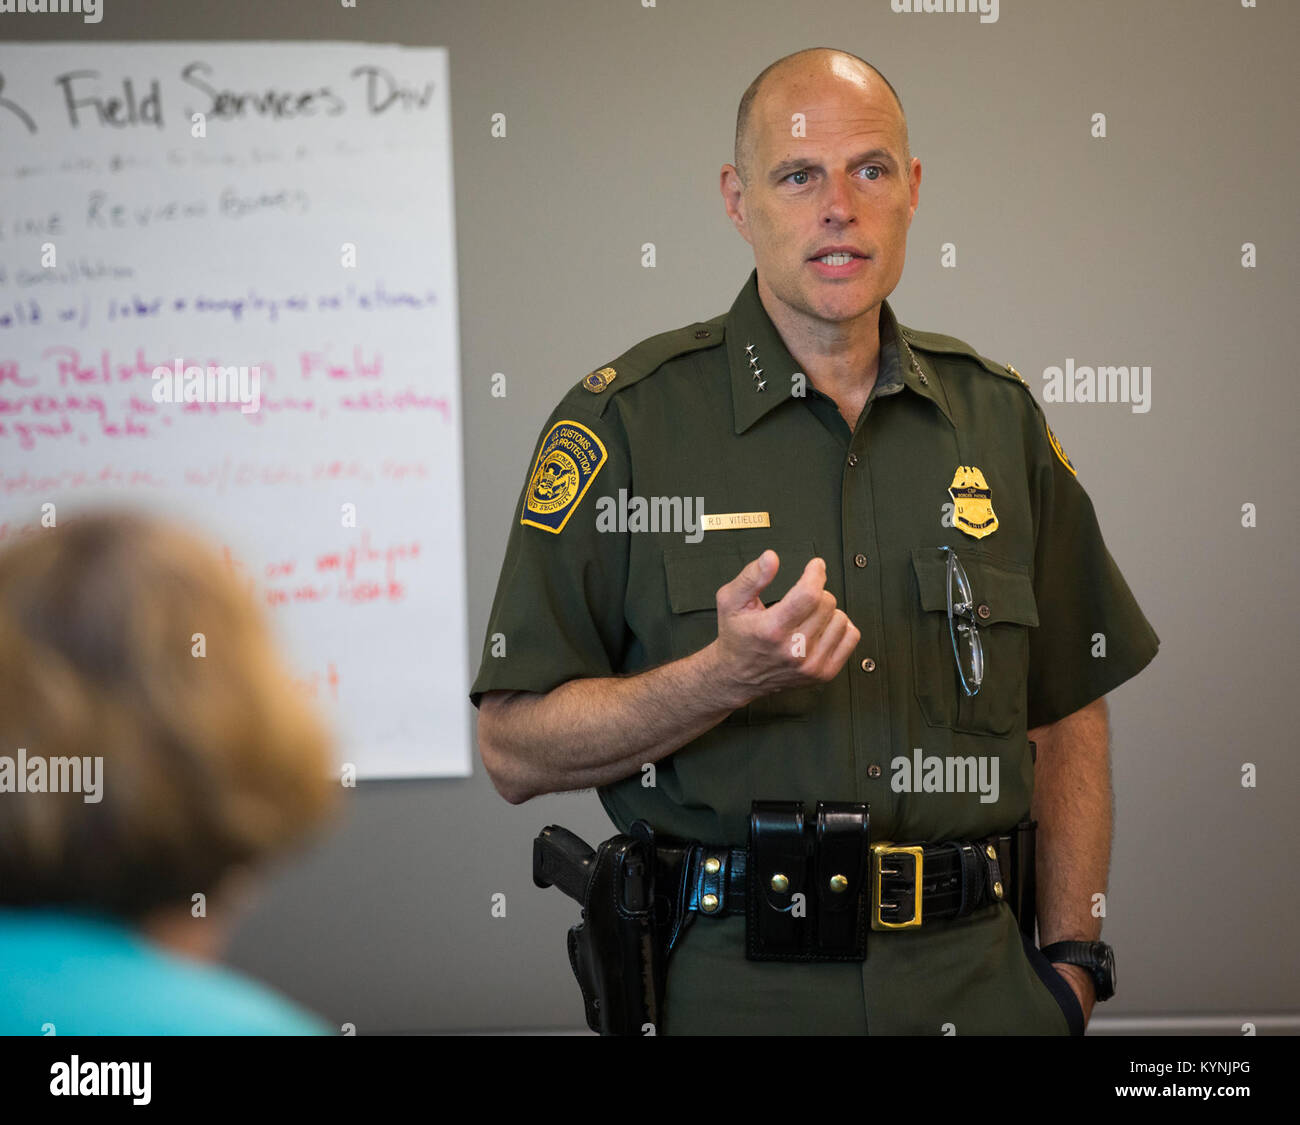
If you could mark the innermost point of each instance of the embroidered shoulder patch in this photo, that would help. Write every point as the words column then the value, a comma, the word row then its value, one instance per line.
column 1056, row 447
column 570, row 457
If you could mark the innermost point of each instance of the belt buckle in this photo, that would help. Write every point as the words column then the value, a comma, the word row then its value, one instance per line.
column 892, row 899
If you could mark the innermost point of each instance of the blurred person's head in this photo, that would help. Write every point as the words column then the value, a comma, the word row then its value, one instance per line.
column 211, row 763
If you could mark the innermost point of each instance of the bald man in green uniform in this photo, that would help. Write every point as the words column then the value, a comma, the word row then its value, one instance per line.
column 729, row 579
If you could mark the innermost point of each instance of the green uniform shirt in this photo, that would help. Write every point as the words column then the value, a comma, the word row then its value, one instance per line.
column 951, row 450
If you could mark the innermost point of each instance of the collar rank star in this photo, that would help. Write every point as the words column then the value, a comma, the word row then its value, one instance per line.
column 972, row 502
column 760, row 383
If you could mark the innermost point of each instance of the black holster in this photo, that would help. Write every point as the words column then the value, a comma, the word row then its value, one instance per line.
column 618, row 951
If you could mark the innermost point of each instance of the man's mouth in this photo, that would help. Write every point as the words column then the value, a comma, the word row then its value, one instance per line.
column 836, row 254
column 837, row 261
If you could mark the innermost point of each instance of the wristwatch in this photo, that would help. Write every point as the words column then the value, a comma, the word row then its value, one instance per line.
column 1095, row 956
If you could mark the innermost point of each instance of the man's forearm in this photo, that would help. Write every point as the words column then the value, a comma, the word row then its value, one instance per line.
column 592, row 732
column 1072, row 804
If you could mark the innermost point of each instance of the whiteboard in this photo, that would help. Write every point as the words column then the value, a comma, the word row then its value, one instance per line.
column 284, row 212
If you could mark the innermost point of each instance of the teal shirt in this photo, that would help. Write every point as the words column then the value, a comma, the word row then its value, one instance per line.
column 88, row 974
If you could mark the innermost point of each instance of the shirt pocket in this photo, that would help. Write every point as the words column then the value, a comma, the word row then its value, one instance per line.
column 693, row 575
column 1006, row 611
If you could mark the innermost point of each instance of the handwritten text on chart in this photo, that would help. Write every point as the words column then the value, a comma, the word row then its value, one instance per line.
column 43, row 407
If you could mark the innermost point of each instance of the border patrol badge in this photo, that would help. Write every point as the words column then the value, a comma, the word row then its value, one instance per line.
column 972, row 501
column 1056, row 448
column 570, row 457
column 597, row 381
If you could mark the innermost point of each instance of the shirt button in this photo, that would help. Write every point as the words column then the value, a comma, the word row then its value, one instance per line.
column 853, row 459
column 984, row 611
column 868, row 665
column 861, row 561
column 873, row 770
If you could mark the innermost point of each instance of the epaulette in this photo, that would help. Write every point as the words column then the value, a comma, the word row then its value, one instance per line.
column 595, row 390
column 950, row 345
column 934, row 342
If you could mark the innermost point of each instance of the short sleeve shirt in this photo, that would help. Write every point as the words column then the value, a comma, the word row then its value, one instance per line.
column 610, row 570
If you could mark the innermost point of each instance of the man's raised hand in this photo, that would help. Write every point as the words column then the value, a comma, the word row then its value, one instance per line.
column 803, row 639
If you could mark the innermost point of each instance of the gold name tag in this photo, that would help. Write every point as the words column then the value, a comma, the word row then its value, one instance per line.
column 735, row 519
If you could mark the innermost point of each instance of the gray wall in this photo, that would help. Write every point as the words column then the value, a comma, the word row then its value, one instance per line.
column 1115, row 251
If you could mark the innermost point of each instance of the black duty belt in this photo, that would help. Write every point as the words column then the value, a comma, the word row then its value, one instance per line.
column 808, row 889
column 957, row 878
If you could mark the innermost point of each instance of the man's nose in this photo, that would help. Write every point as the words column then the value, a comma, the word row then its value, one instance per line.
column 839, row 201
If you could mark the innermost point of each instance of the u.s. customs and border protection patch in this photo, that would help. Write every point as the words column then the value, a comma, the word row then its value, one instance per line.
column 1056, row 448
column 570, row 457
column 972, row 501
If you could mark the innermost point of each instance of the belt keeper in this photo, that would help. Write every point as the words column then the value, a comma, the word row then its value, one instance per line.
column 997, row 888
column 964, row 858
column 711, row 885
column 1024, row 877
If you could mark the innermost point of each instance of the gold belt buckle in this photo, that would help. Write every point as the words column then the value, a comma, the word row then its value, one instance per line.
column 883, row 868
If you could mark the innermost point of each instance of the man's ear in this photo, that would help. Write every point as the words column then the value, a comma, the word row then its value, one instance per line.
column 733, row 195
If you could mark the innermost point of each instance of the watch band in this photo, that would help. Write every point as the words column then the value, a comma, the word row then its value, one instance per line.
column 1095, row 956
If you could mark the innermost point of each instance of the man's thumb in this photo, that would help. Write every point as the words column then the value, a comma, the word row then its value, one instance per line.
column 742, row 589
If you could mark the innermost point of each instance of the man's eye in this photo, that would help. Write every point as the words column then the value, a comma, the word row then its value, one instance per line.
column 801, row 172
column 874, row 171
